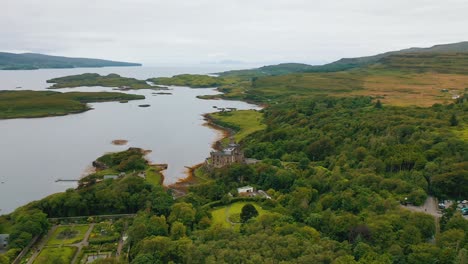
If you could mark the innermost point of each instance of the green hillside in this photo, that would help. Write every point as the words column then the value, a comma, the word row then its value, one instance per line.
column 345, row 63
column 32, row 61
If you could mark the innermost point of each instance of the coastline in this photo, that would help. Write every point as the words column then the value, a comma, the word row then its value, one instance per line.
column 50, row 115
column 181, row 186
column 224, row 131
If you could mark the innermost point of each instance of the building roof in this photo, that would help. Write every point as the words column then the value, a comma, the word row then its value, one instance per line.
column 225, row 152
column 244, row 189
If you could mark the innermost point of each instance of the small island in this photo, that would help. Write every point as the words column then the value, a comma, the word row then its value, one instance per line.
column 119, row 142
column 30, row 104
column 94, row 79
column 192, row 80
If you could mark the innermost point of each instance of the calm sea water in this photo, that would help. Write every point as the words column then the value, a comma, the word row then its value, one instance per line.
column 36, row 152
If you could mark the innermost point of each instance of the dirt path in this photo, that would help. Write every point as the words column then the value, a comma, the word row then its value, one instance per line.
column 121, row 240
column 82, row 244
column 226, row 213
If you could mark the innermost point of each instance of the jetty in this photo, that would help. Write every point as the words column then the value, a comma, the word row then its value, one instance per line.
column 66, row 180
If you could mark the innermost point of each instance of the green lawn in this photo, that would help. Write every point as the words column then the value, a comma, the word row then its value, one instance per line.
column 56, row 255
column 57, row 240
column 220, row 215
column 245, row 121
column 153, row 176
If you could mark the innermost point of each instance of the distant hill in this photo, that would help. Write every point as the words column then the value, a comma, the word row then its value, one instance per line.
column 420, row 62
column 32, row 61
column 345, row 63
column 349, row 63
column 280, row 69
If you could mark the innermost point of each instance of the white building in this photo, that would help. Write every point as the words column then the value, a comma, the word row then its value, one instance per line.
column 245, row 189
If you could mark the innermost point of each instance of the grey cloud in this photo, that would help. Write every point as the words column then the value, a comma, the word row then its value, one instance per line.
column 186, row 31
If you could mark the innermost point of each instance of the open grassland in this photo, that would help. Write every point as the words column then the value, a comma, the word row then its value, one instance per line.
column 421, row 89
column 421, row 79
column 20, row 104
column 229, row 216
column 391, row 87
column 66, row 235
column 56, row 255
column 245, row 122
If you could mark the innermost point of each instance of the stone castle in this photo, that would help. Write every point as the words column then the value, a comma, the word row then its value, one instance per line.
column 227, row 156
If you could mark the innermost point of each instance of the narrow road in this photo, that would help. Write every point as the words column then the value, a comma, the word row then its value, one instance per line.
column 41, row 245
column 430, row 207
column 121, row 241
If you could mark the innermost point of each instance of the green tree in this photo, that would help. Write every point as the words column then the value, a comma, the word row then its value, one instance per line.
column 453, row 120
column 182, row 212
column 4, row 259
column 158, row 226
column 378, row 105
column 146, row 259
column 178, row 230
column 248, row 212
column 462, row 257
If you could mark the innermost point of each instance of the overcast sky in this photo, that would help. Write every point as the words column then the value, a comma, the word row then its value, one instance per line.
column 175, row 32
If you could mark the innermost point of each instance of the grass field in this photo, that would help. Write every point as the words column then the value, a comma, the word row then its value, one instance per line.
column 228, row 215
column 56, row 255
column 21, row 104
column 56, row 240
column 246, row 122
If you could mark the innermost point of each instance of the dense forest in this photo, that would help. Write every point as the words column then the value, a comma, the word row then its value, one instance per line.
column 336, row 170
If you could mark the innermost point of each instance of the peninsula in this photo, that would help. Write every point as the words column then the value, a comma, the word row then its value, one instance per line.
column 29, row 104
column 34, row 61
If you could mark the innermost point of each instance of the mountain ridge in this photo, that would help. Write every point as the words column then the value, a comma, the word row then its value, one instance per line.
column 345, row 63
column 32, row 61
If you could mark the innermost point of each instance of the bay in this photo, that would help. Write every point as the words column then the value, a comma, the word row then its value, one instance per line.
column 36, row 152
